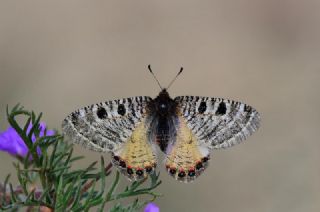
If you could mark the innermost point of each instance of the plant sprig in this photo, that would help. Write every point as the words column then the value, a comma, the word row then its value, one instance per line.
column 49, row 179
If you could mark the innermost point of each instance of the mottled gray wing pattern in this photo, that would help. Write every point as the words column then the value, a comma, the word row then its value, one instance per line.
column 107, row 125
column 216, row 122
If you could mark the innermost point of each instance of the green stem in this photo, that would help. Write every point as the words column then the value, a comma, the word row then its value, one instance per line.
column 115, row 183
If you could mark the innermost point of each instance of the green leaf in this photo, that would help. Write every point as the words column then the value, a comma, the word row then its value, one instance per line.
column 53, row 154
column 22, row 180
column 114, row 185
column 77, row 196
column 12, row 196
column 3, row 199
column 102, row 176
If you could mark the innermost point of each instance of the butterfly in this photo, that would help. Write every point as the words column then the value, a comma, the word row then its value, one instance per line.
column 186, row 129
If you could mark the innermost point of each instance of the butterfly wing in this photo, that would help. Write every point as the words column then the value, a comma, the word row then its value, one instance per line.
column 117, row 126
column 216, row 122
column 186, row 159
column 203, row 124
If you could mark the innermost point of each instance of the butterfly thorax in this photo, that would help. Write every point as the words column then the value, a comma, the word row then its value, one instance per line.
column 163, row 105
column 163, row 110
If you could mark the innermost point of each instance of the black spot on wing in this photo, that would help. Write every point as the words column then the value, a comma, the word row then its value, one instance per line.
column 139, row 172
column 222, row 109
column 182, row 174
column 102, row 113
column 74, row 119
column 202, row 107
column 247, row 108
column 110, row 103
column 121, row 110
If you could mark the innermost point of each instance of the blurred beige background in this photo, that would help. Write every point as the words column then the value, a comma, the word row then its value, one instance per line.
column 57, row 56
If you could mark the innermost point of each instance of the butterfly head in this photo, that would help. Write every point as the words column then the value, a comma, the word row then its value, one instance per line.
column 163, row 104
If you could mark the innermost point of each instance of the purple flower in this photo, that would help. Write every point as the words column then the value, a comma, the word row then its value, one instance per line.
column 151, row 207
column 11, row 142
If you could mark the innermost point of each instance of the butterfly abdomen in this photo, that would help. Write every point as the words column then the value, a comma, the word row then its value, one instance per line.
column 162, row 134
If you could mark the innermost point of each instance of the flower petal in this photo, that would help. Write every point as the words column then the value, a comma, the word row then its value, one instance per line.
column 11, row 142
column 151, row 207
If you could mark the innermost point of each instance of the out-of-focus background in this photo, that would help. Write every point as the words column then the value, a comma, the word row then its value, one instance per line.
column 58, row 56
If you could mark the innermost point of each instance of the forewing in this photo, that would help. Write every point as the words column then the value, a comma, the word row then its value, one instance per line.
column 216, row 122
column 106, row 126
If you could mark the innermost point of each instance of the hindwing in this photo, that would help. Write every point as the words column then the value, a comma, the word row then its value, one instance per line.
column 185, row 158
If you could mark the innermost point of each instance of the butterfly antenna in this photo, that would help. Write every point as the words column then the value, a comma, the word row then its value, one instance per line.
column 149, row 67
column 174, row 79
